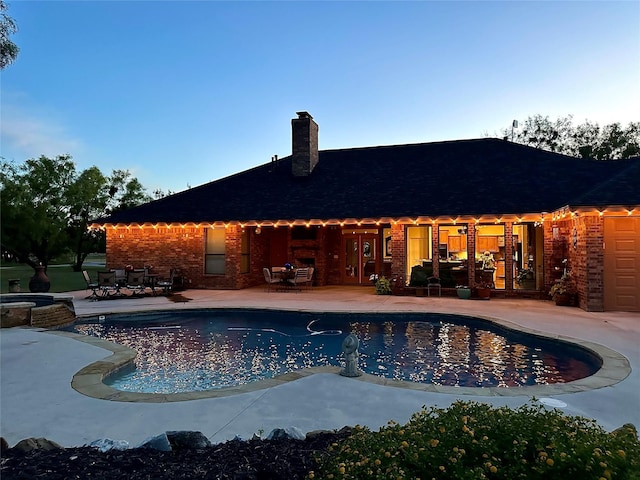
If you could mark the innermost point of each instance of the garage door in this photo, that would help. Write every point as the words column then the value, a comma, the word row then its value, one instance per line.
column 622, row 264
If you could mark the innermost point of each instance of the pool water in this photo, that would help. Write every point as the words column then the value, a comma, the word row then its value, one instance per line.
column 203, row 350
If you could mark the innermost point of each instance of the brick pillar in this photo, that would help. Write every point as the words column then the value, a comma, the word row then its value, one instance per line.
column 589, row 252
column 398, row 250
column 471, row 254
column 508, row 253
column 435, row 248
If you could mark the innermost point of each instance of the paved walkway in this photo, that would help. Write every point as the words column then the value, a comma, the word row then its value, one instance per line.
column 37, row 368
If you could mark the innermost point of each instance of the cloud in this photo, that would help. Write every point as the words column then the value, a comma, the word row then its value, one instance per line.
column 25, row 134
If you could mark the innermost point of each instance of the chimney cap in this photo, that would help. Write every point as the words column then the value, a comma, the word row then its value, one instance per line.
column 304, row 114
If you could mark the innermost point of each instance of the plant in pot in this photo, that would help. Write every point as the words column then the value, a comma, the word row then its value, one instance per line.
column 463, row 292
column 563, row 292
column 383, row 286
column 397, row 285
column 483, row 289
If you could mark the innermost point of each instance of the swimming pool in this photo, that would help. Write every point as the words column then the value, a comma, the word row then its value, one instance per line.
column 202, row 350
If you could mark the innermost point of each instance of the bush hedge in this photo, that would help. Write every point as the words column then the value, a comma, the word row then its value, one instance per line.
column 472, row 440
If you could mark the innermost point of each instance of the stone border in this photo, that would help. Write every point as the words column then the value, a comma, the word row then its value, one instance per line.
column 89, row 380
column 21, row 309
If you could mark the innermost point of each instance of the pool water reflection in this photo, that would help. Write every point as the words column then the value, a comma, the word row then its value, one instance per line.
column 204, row 350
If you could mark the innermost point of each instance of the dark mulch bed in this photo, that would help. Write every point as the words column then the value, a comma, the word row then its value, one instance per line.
column 236, row 460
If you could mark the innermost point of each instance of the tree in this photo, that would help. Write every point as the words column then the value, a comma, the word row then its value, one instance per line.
column 47, row 206
column 8, row 49
column 34, row 208
column 88, row 198
column 125, row 192
column 586, row 140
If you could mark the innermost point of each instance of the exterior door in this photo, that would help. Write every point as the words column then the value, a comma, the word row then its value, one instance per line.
column 360, row 258
column 622, row 264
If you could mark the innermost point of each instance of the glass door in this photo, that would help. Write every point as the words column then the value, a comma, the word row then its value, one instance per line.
column 360, row 257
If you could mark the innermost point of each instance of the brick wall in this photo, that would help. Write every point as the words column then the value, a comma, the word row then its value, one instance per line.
column 398, row 252
column 591, row 281
column 579, row 239
column 165, row 248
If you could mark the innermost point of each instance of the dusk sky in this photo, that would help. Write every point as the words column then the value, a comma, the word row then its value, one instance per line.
column 182, row 93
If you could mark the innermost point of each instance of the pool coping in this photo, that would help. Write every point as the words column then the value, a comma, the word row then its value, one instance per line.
column 89, row 380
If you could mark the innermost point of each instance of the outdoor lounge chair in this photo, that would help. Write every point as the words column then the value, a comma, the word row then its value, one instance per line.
column 269, row 279
column 94, row 286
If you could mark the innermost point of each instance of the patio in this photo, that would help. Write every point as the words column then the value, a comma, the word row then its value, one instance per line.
column 37, row 368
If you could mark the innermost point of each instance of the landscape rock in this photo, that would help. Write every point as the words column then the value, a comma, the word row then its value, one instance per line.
column 180, row 440
column 289, row 433
column 106, row 444
column 231, row 460
column 159, row 442
column 29, row 444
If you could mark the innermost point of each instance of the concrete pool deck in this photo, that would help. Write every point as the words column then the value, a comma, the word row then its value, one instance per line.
column 37, row 368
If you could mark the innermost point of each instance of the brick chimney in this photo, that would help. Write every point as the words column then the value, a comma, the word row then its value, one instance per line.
column 304, row 144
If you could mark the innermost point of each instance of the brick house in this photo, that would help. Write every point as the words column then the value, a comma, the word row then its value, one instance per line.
column 386, row 210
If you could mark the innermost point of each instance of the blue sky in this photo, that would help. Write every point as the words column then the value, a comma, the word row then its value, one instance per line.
column 182, row 93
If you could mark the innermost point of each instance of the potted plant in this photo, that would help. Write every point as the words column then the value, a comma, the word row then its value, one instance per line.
column 564, row 290
column 483, row 289
column 463, row 292
column 397, row 285
column 383, row 286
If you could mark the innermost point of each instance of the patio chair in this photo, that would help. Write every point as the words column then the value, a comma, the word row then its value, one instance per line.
column 434, row 282
column 167, row 285
column 121, row 276
column 310, row 277
column 94, row 286
column 269, row 279
column 107, row 283
column 135, row 282
column 300, row 278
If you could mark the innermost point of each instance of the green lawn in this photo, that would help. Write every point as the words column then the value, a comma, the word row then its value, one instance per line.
column 62, row 277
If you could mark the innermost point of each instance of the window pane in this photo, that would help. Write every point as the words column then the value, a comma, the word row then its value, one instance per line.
column 490, row 255
column 528, row 244
column 244, row 264
column 419, row 251
column 214, row 264
column 215, row 241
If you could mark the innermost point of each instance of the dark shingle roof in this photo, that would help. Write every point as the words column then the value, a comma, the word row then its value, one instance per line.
column 467, row 177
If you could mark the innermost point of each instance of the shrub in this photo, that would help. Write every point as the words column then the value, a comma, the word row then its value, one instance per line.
column 471, row 440
column 383, row 286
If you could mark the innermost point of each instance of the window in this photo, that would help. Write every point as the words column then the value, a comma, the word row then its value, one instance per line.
column 528, row 244
column 214, row 255
column 490, row 255
column 244, row 252
column 419, row 251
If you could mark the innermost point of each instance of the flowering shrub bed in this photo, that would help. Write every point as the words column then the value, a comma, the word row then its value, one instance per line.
column 477, row 441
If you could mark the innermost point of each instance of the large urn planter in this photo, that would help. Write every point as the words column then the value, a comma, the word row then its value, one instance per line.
column 39, row 283
column 464, row 293
column 563, row 299
column 483, row 293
